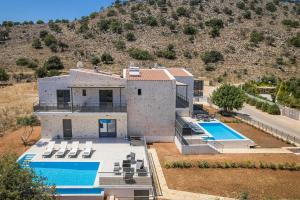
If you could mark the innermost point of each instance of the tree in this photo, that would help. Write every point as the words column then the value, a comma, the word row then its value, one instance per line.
column 211, row 57
column 39, row 22
column 19, row 183
column 140, row 54
column 228, row 97
column 95, row 60
column 3, row 75
column 36, row 43
column 63, row 46
column 54, row 62
column 27, row 123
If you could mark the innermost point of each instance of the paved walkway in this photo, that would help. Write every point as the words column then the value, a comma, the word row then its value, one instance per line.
column 177, row 194
column 282, row 123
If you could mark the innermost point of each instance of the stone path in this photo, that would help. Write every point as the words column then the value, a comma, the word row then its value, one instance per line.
column 177, row 194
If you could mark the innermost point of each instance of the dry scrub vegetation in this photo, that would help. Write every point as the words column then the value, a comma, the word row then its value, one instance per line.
column 15, row 101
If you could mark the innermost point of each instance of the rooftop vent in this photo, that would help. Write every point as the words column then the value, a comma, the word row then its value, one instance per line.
column 133, row 70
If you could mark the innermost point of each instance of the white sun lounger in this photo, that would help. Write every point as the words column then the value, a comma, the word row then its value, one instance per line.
column 74, row 150
column 88, row 149
column 62, row 149
column 49, row 149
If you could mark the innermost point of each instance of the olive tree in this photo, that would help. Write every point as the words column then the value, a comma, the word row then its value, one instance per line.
column 228, row 97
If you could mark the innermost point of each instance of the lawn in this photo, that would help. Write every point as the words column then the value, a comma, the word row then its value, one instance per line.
column 259, row 183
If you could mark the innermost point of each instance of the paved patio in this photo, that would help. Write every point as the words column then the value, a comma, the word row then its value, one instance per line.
column 107, row 151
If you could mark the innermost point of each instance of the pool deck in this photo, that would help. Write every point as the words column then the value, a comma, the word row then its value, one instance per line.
column 107, row 151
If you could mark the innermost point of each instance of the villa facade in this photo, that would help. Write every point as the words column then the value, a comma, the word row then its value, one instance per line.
column 94, row 104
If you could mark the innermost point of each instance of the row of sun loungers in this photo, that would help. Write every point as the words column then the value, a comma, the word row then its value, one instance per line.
column 87, row 151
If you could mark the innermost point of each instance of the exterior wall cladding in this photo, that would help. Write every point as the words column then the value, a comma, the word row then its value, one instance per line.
column 150, row 114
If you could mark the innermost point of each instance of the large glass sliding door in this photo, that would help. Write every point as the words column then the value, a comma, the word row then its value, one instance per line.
column 106, row 98
column 63, row 99
column 107, row 128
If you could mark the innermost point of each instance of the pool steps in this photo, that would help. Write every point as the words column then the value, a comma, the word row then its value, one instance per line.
column 26, row 159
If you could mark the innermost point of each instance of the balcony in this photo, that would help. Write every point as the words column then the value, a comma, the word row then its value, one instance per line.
column 181, row 101
column 67, row 107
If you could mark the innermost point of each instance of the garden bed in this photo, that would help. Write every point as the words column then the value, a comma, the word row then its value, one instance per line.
column 231, row 182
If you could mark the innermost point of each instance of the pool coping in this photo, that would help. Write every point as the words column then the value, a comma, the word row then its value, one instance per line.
column 217, row 121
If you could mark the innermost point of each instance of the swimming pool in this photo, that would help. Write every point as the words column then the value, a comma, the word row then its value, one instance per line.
column 66, row 173
column 220, row 131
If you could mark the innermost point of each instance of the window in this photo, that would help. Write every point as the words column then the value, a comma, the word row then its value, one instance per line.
column 139, row 91
column 84, row 93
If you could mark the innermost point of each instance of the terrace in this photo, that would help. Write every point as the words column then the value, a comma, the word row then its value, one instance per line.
column 107, row 151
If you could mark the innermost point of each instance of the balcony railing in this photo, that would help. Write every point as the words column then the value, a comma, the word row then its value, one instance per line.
column 181, row 101
column 67, row 107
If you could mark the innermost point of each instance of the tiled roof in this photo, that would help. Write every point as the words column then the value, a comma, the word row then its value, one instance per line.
column 179, row 72
column 150, row 75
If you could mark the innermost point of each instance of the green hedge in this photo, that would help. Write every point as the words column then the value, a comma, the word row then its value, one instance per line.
column 203, row 164
column 272, row 109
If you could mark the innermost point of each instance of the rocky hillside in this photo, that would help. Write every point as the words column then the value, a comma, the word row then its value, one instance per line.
column 224, row 40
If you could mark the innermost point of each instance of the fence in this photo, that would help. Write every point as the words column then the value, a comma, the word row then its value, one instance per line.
column 289, row 112
column 269, row 129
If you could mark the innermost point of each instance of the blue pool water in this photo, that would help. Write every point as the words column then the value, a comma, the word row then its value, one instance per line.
column 66, row 173
column 220, row 132
column 78, row 190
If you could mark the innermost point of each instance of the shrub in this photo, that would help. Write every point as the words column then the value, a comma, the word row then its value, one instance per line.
column 128, row 26
column 182, row 11
column 247, row 14
column 130, row 36
column 270, row 6
column 295, row 41
column 244, row 196
column 258, row 10
column 259, row 104
column 53, row 72
column 120, row 44
column 151, row 21
column 50, row 39
column 290, row 23
column 111, row 13
column 53, row 47
column 41, row 72
column 211, row 57
column 95, row 60
column 187, row 54
column 256, row 37
column 103, row 24
column 168, row 53
column 106, row 58
column 4, row 35
column 116, row 26
column 227, row 11
column 215, row 32
column 54, row 27
column 140, row 54
column 53, row 62
column 265, row 107
column 43, row 34
column 190, row 30
column 3, row 75
column 274, row 110
column 215, row 23
column 241, row 5
column 36, row 43
column 22, row 61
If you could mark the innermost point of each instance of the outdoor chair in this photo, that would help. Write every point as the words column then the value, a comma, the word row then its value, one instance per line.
column 128, row 177
column 62, row 149
column 142, row 172
column 74, row 150
column 87, row 150
column 126, row 163
column 49, row 149
column 139, row 164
